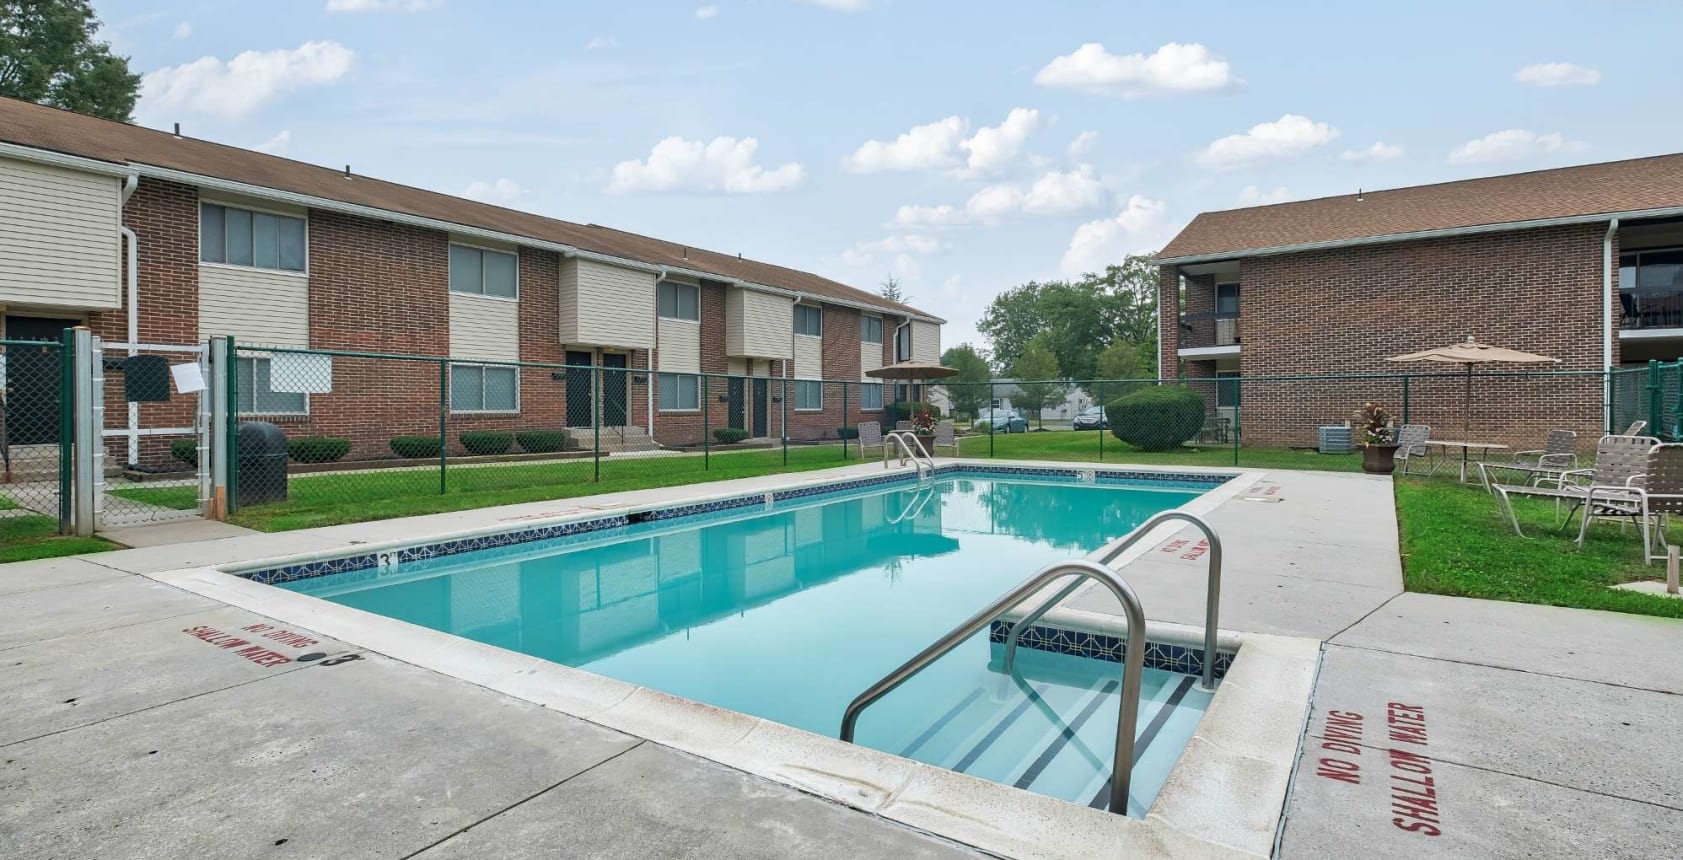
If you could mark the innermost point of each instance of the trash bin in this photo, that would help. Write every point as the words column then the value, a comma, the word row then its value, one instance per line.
column 262, row 467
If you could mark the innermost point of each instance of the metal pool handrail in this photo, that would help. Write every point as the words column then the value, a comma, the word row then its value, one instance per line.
column 1212, row 592
column 914, row 450
column 1122, row 766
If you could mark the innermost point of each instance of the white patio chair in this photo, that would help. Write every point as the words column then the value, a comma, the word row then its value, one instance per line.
column 1636, row 428
column 945, row 438
column 870, row 436
column 1648, row 500
column 902, row 425
column 1619, row 461
column 1411, row 446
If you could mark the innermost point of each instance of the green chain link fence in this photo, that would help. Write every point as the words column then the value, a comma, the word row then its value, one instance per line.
column 35, row 440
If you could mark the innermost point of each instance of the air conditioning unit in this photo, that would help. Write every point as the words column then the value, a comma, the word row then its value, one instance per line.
column 1226, row 332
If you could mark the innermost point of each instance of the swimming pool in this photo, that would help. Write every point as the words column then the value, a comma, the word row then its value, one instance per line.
column 786, row 608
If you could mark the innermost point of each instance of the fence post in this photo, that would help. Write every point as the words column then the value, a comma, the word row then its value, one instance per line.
column 1654, row 403
column 88, row 430
column 231, row 420
column 1406, row 379
column 596, row 424
column 706, row 425
column 1238, row 407
column 443, row 422
column 991, row 417
column 1104, row 417
column 66, row 426
column 221, row 427
column 1612, row 399
column 844, row 419
column 785, row 417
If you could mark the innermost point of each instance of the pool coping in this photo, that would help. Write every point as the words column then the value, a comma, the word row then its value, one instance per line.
column 1223, row 798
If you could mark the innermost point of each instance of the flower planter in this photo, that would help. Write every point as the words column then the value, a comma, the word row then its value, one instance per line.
column 927, row 440
column 1379, row 459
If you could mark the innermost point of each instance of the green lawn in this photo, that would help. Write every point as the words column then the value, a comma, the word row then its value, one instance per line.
column 1455, row 542
column 1085, row 445
column 27, row 537
column 348, row 497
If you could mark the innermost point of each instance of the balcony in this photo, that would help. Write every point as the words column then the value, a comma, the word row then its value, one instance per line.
column 1210, row 334
column 1649, row 308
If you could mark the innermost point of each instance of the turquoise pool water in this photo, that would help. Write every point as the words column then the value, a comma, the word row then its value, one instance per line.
column 788, row 614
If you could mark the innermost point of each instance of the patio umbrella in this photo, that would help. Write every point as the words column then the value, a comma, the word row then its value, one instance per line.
column 908, row 371
column 1468, row 353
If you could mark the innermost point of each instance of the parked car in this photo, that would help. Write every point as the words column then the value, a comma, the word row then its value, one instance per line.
column 1091, row 418
column 999, row 421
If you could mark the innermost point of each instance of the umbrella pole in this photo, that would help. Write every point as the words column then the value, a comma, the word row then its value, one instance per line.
column 1467, row 422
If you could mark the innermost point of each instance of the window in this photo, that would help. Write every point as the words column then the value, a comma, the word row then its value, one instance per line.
column 809, row 395
column 256, row 398
column 1227, row 299
column 809, row 320
column 479, row 272
column 678, row 301
column 241, row 237
column 679, row 392
column 870, row 329
column 482, row 388
column 870, row 397
column 903, row 342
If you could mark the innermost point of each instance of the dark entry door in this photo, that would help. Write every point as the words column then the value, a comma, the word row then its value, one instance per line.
column 32, row 380
column 762, row 397
column 578, row 389
column 734, row 406
column 613, row 390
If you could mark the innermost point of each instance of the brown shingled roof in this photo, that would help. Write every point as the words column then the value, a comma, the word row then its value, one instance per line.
column 1636, row 185
column 27, row 124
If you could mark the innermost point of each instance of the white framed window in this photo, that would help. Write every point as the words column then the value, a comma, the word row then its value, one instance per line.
column 870, row 397
column 678, row 301
column 257, row 398
column 484, row 272
column 243, row 237
column 903, row 342
column 809, row 395
column 679, row 392
column 809, row 320
column 484, row 388
column 870, row 330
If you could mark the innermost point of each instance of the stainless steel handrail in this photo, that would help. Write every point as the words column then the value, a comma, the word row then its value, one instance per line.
column 914, row 450
column 1212, row 591
column 1122, row 766
column 921, row 498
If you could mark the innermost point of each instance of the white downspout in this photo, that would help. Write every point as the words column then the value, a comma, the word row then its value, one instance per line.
column 1607, row 270
column 649, row 363
column 133, row 302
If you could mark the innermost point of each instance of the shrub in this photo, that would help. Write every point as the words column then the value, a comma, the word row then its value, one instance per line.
column 185, row 450
column 487, row 441
column 541, row 441
column 903, row 410
column 1158, row 418
column 317, row 449
column 730, row 435
column 847, row 433
column 417, row 447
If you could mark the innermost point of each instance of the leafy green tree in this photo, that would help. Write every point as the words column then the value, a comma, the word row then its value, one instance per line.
column 1036, row 370
column 1082, row 317
column 48, row 55
column 1120, row 361
column 968, row 389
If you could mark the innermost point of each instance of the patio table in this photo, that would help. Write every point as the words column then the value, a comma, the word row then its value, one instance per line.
column 1484, row 448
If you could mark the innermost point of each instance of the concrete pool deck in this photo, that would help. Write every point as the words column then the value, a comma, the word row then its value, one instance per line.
column 105, row 696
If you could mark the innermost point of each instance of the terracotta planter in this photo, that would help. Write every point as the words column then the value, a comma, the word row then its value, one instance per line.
column 927, row 440
column 1379, row 459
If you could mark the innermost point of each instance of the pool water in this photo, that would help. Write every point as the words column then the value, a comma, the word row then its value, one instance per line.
column 789, row 613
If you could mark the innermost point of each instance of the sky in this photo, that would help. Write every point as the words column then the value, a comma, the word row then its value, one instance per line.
column 961, row 147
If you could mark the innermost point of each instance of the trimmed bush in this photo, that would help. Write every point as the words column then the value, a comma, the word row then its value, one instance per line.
column 846, row 433
column 317, row 449
column 903, row 410
column 730, row 435
column 185, row 450
column 541, row 441
column 1158, row 418
column 417, row 447
column 487, row 442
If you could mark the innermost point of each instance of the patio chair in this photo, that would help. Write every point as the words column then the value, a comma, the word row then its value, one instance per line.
column 1636, row 428
column 1544, row 465
column 870, row 436
column 902, row 425
column 1619, row 460
column 1648, row 500
column 945, row 438
column 1411, row 445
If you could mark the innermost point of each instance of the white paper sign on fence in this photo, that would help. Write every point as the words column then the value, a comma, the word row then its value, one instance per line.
column 189, row 378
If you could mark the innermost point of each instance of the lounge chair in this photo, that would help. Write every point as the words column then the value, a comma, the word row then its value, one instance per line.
column 1544, row 465
column 1648, row 500
column 1636, row 428
column 944, row 438
column 902, row 425
column 1411, row 445
column 1618, row 460
column 870, row 436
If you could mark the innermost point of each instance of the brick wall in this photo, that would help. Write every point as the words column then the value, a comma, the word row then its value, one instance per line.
column 1168, row 322
column 681, row 428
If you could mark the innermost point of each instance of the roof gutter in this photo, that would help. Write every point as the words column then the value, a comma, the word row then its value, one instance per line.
column 1478, row 229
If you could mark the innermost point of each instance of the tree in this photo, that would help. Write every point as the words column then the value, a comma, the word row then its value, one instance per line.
column 1121, row 360
column 1082, row 317
column 1039, row 368
column 968, row 389
column 891, row 290
column 48, row 55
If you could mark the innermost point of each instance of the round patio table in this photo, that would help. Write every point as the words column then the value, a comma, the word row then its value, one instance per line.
column 1484, row 448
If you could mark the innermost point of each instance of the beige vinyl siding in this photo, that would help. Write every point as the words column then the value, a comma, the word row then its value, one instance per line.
column 604, row 305
column 484, row 328
column 870, row 357
column 809, row 356
column 736, row 366
column 680, row 346
column 926, row 342
column 59, row 244
column 256, row 306
column 757, row 325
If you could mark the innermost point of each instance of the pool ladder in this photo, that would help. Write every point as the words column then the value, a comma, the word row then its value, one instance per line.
column 908, row 447
column 1133, row 656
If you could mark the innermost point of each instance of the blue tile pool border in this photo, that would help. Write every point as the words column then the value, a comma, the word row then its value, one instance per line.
column 1185, row 659
column 596, row 526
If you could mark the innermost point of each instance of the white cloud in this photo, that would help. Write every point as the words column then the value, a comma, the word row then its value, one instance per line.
column 1511, row 145
column 923, row 147
column 906, row 267
column 1289, row 135
column 726, row 164
column 1082, row 144
column 597, row 43
column 239, row 86
column 1065, row 193
column 1054, row 193
column 1379, row 151
column 1254, row 196
column 944, row 215
column 276, row 145
column 501, row 191
column 916, row 244
column 848, row 6
column 950, row 288
column 1173, row 68
column 382, row 5
column 992, row 149
column 1142, row 225
column 182, row 31
column 706, row 12
column 1558, row 75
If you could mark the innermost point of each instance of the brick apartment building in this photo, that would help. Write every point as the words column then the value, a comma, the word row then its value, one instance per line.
column 226, row 241
column 1583, row 264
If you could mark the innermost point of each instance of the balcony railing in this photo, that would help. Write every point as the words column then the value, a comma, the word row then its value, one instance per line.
column 1213, row 328
column 1648, row 308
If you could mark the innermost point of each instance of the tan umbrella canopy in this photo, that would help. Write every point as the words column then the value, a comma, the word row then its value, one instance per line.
column 1468, row 353
column 909, row 370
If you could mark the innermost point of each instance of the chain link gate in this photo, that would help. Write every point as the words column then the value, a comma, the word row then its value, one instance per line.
column 152, row 463
column 35, row 436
